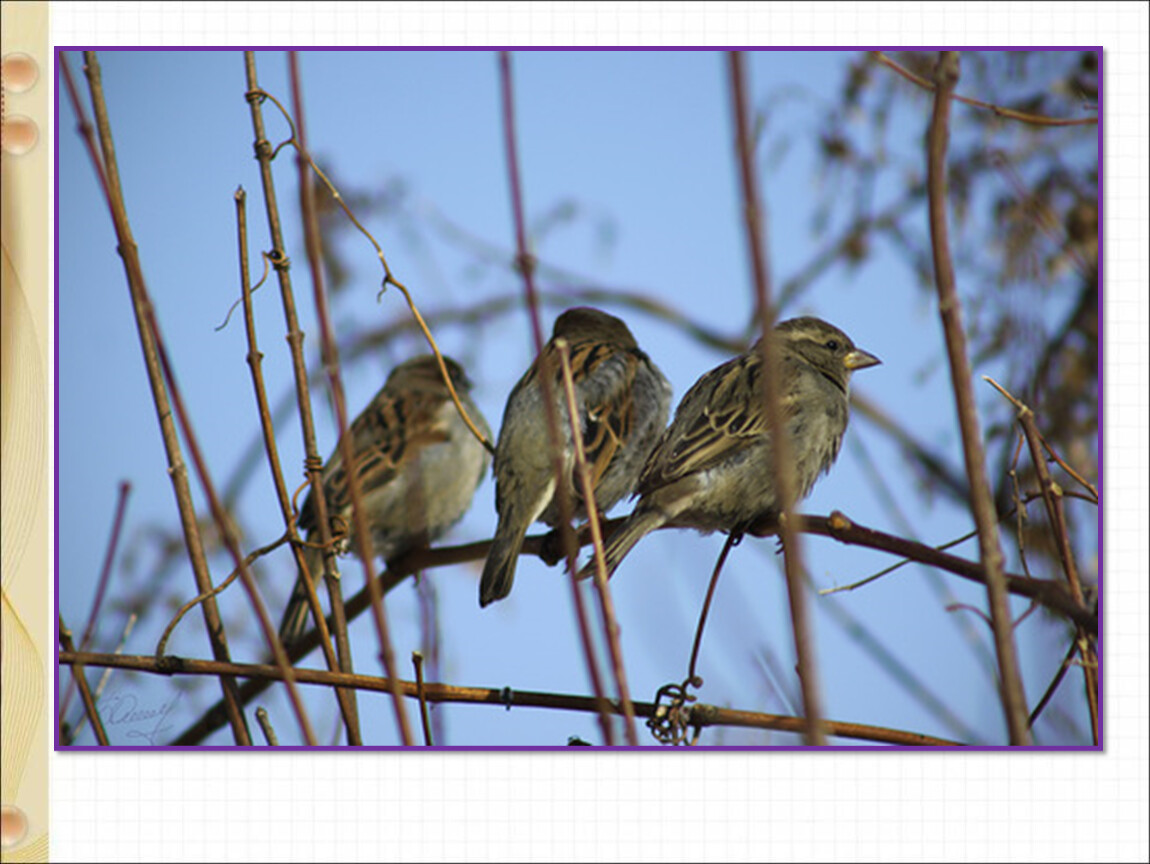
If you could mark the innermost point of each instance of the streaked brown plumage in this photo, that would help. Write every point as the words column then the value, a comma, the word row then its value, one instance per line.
column 418, row 467
column 623, row 400
column 711, row 469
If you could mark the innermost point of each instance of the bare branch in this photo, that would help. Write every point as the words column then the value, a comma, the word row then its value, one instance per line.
column 90, row 709
column 526, row 265
column 267, row 428
column 266, row 726
column 362, row 531
column 781, row 465
column 108, row 176
column 606, row 606
column 1009, row 113
column 1051, row 594
column 101, row 584
column 950, row 310
column 425, row 720
column 1052, row 499
column 701, row 715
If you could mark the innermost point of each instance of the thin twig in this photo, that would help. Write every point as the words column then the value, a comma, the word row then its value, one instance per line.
column 1021, row 515
column 1058, row 676
column 107, row 174
column 101, row 584
column 364, row 538
column 950, row 311
column 75, row 728
column 129, row 625
column 526, row 264
column 295, row 337
column 1010, row 113
column 388, row 277
column 900, row 670
column 1052, row 499
column 893, row 504
column 151, row 325
column 430, row 638
column 424, row 714
column 249, row 559
column 1051, row 494
column 346, row 700
column 886, row 571
column 606, row 606
column 240, row 194
column 782, row 468
column 266, row 726
column 1050, row 593
column 231, row 540
column 731, row 541
column 90, row 709
column 1062, row 464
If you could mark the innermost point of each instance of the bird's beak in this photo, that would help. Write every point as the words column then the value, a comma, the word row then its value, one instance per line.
column 859, row 359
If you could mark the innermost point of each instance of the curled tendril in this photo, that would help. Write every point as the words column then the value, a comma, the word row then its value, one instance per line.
column 670, row 722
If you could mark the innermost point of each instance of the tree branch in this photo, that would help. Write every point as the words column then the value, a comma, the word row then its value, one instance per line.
column 782, row 467
column 1009, row 113
column 526, row 266
column 701, row 715
column 950, row 311
column 108, row 176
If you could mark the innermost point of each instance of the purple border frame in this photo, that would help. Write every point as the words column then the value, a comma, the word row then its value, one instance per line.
column 703, row 748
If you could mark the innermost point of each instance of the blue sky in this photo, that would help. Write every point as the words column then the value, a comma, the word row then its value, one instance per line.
column 639, row 144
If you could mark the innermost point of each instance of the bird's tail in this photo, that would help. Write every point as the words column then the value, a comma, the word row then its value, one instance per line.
column 639, row 524
column 499, row 569
column 297, row 615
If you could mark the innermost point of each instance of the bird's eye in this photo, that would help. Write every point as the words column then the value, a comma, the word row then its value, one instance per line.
column 833, row 344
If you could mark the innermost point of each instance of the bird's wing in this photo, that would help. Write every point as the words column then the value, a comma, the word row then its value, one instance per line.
column 720, row 414
column 605, row 375
column 387, row 435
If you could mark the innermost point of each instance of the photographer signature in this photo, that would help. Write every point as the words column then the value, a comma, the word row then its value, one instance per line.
column 140, row 720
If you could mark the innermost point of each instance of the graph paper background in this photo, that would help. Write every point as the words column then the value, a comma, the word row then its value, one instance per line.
column 676, row 805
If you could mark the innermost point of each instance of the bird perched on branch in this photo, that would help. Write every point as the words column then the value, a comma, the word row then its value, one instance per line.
column 711, row 470
column 418, row 467
column 623, row 401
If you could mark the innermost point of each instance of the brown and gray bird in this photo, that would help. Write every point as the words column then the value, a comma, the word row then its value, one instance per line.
column 418, row 467
column 711, row 470
column 623, row 401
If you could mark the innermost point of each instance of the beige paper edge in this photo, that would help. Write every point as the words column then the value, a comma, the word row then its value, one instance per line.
column 25, row 448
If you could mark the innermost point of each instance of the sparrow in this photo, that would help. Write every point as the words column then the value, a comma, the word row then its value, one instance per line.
column 711, row 469
column 623, row 401
column 418, row 467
